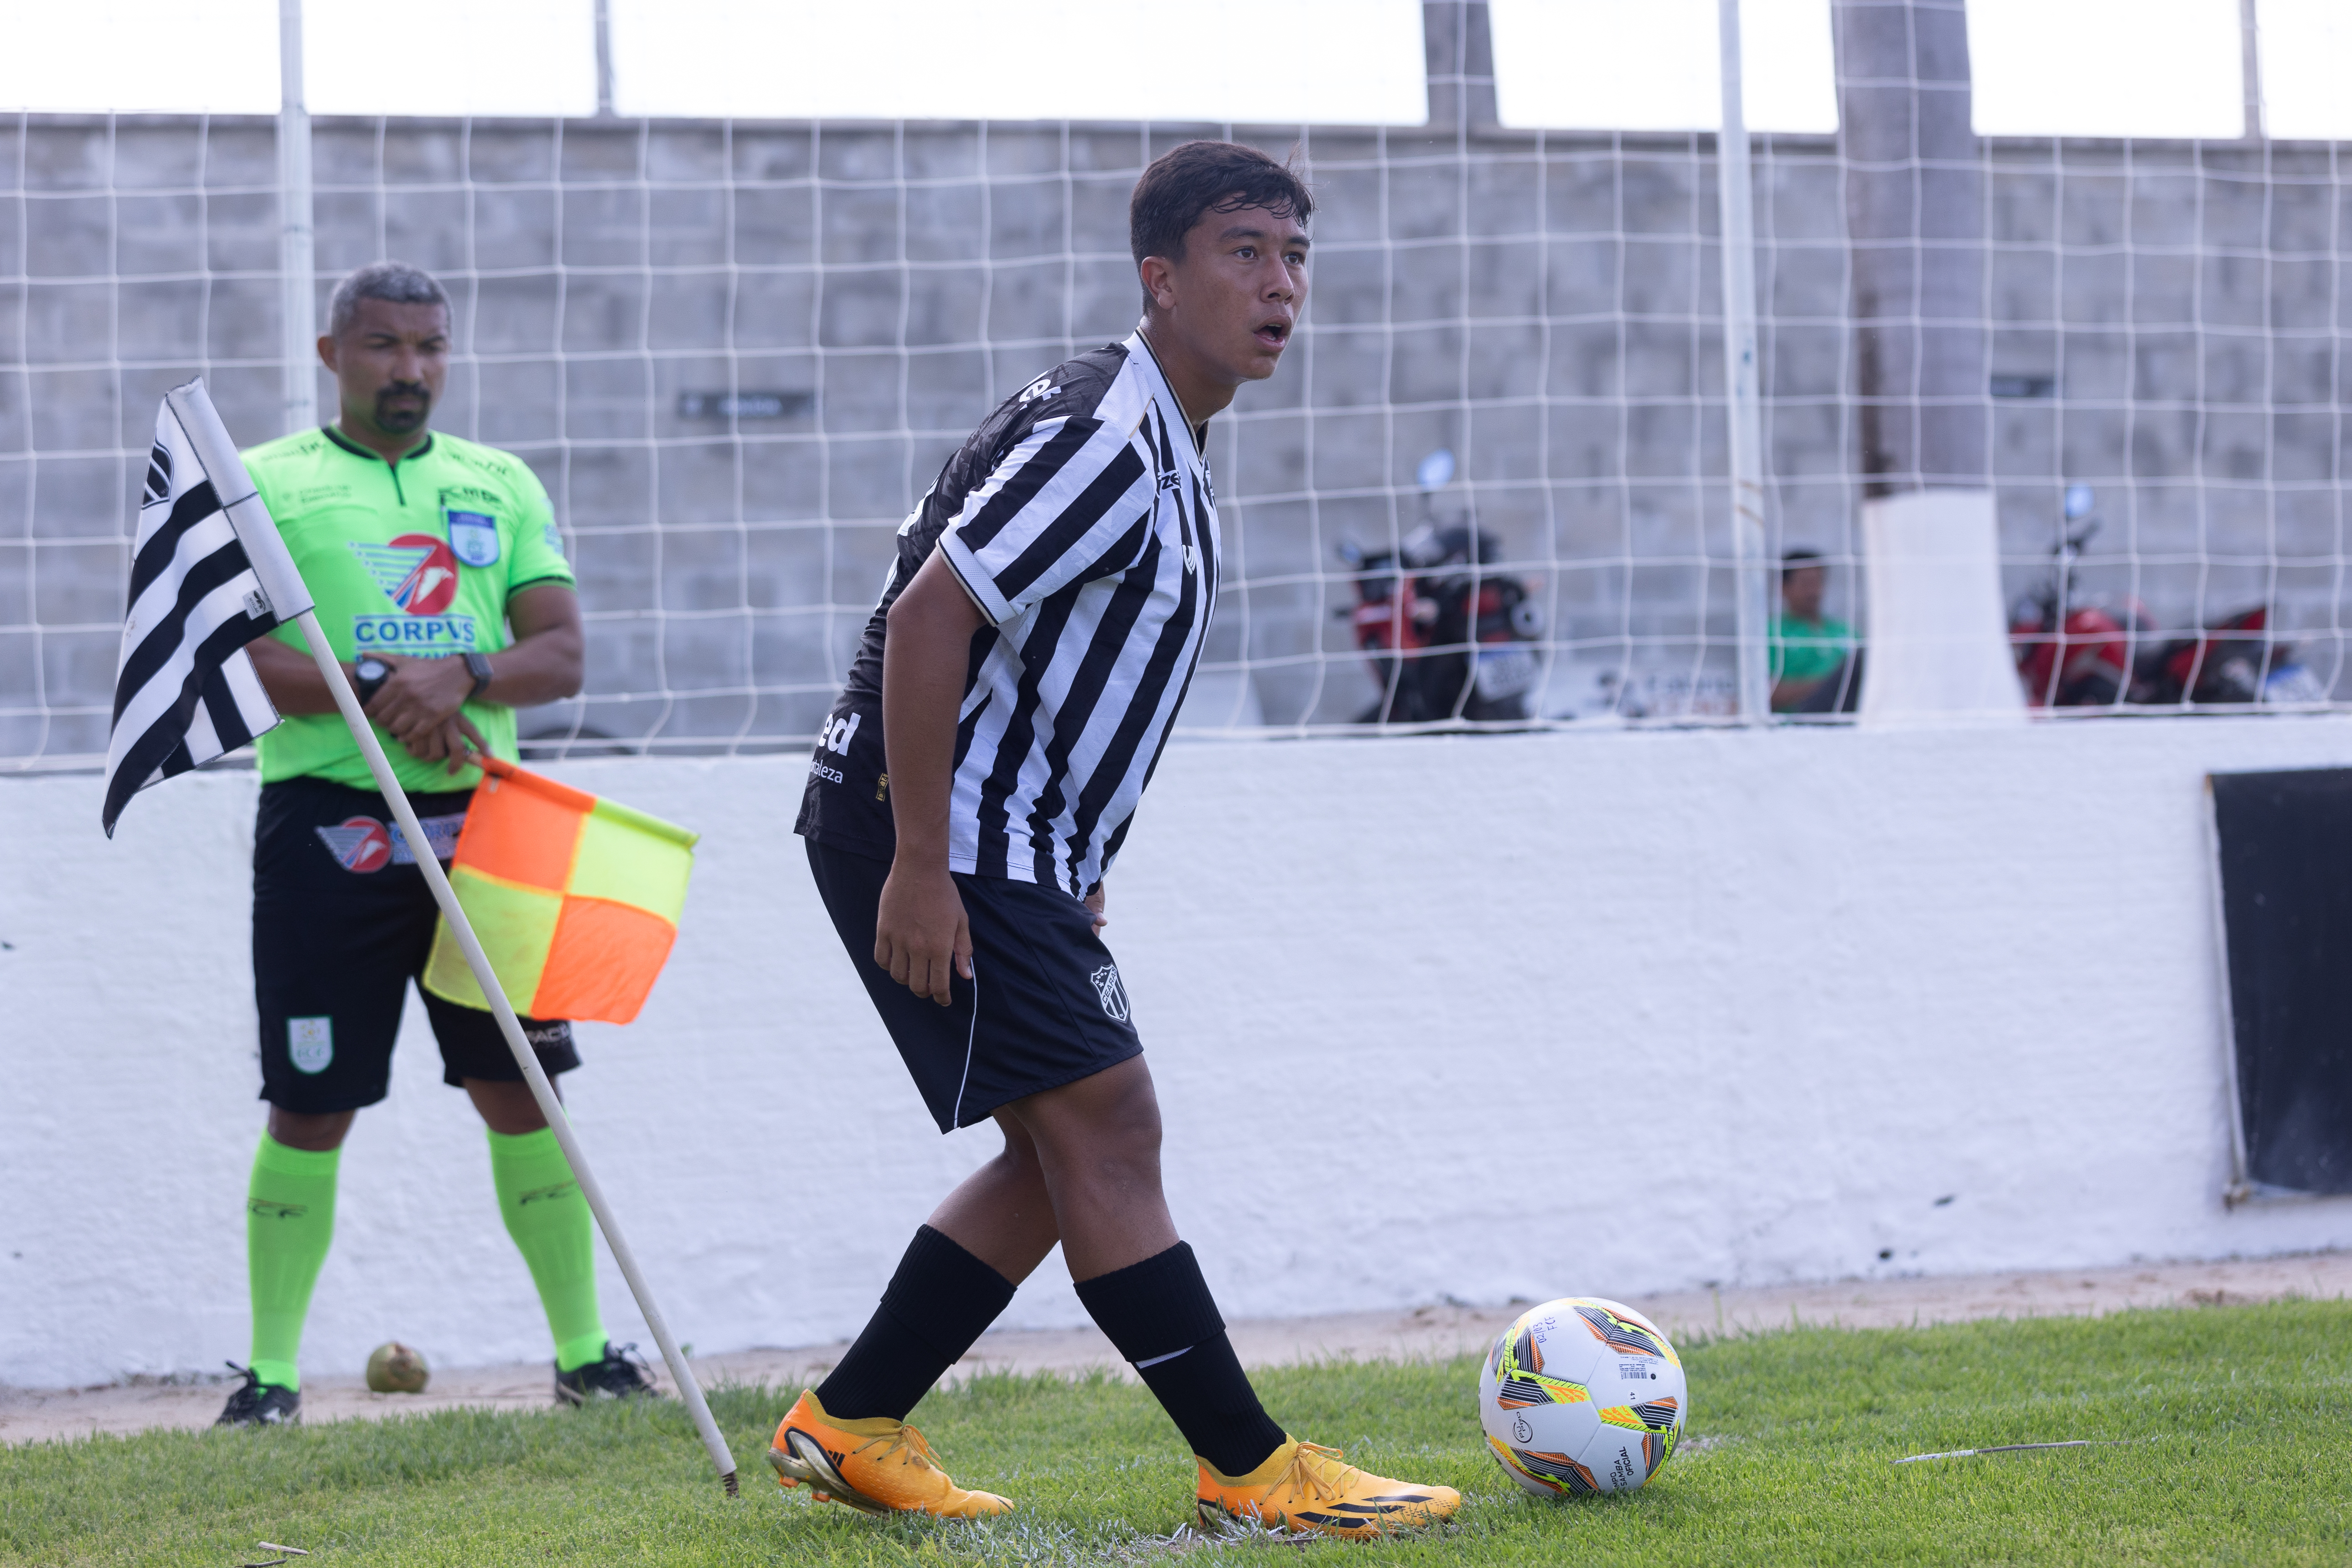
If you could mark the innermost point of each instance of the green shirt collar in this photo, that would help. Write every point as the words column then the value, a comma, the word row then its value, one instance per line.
column 356, row 450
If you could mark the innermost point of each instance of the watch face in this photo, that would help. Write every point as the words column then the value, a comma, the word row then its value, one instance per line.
column 371, row 669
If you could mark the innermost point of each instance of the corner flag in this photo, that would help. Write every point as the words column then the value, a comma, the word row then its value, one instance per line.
column 184, row 691
column 575, row 897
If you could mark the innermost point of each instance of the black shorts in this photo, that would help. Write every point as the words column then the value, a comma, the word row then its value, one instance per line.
column 1045, row 1005
column 342, row 922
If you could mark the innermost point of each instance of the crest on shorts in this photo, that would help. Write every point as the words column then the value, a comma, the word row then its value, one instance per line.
column 1112, row 993
column 310, row 1043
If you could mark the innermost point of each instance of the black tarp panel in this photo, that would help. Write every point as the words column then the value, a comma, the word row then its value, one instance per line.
column 2285, row 846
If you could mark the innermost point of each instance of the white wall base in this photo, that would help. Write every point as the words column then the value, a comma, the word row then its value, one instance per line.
column 1469, row 1017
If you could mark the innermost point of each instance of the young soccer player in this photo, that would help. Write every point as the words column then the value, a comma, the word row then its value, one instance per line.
column 422, row 549
column 968, row 795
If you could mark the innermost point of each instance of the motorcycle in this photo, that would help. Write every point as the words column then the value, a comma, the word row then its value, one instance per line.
column 1445, row 638
column 2075, row 650
column 2234, row 661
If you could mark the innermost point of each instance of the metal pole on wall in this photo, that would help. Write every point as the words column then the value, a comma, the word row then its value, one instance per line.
column 603, row 60
column 297, row 305
column 1746, row 444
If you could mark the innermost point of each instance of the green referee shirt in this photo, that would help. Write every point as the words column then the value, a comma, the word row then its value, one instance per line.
column 418, row 557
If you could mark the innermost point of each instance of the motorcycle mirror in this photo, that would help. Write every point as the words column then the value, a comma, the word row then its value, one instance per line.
column 1436, row 471
column 2079, row 501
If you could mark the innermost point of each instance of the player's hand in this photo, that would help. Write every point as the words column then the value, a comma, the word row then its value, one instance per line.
column 921, row 931
column 1095, row 902
column 455, row 739
column 419, row 700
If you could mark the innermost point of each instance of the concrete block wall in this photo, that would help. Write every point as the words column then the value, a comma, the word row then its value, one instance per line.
column 1546, row 307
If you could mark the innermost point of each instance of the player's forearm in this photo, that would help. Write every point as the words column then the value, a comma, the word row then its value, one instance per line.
column 924, row 661
column 545, row 667
column 291, row 677
column 548, row 659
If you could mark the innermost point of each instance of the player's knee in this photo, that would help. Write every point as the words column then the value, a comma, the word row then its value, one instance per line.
column 1017, row 1162
column 314, row 1132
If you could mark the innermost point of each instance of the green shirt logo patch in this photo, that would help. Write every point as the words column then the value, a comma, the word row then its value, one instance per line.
column 473, row 537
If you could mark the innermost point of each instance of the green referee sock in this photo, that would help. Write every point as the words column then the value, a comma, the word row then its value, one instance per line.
column 551, row 1225
column 290, row 1218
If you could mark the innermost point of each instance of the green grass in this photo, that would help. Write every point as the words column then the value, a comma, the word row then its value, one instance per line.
column 2236, row 1426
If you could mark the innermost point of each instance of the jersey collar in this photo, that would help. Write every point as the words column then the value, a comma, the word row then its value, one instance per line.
column 1150, row 359
column 356, row 450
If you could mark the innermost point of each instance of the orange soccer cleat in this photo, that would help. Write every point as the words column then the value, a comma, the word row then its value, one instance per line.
column 874, row 1465
column 1303, row 1486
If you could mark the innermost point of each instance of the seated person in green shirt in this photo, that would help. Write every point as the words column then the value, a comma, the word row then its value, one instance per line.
column 1815, row 666
column 440, row 579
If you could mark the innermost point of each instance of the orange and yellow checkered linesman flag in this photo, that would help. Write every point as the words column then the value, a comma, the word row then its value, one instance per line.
column 575, row 897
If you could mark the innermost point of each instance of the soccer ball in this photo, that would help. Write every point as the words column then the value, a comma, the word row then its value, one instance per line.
column 1582, row 1396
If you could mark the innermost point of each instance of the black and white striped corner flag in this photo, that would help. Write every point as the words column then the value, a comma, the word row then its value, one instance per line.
column 184, row 691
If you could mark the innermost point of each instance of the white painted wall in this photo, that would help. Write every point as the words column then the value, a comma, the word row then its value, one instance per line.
column 1477, row 1018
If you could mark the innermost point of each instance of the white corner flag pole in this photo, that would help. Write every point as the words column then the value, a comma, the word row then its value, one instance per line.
column 290, row 599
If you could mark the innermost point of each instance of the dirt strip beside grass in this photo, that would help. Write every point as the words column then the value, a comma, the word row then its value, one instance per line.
column 1420, row 1333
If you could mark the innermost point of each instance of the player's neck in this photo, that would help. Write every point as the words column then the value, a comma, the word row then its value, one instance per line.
column 391, row 448
column 1199, row 394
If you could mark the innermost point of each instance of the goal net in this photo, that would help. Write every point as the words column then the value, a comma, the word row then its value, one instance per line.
column 737, row 353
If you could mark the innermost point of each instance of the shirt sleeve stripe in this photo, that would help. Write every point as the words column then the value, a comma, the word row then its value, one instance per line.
column 1017, row 482
column 975, row 578
column 1067, row 534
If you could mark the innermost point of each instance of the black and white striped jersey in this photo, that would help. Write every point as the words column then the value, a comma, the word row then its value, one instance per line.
column 1081, row 520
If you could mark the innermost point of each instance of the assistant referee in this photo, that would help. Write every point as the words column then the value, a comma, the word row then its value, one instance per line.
column 441, row 581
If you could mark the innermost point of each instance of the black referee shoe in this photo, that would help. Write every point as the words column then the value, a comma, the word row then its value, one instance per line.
column 616, row 1376
column 259, row 1404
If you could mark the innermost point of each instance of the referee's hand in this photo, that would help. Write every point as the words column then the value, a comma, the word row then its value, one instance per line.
column 920, row 930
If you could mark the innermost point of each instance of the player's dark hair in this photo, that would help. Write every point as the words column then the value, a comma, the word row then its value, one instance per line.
column 1205, row 177
column 395, row 283
column 1794, row 561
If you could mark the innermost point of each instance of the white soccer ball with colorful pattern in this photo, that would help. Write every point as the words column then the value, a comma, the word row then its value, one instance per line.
column 1582, row 1396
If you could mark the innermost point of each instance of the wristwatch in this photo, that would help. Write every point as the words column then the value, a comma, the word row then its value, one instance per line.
column 371, row 673
column 478, row 666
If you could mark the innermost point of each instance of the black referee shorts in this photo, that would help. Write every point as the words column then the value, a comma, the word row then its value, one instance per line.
column 1045, row 1005
column 342, row 922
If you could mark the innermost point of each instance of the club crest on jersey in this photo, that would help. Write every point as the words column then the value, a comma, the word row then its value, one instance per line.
column 473, row 537
column 1111, row 993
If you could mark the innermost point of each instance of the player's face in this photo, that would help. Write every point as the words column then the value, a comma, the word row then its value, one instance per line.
column 1238, row 291
column 1802, row 591
column 390, row 363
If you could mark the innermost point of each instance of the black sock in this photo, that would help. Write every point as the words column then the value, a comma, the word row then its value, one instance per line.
column 1159, row 1314
column 941, row 1300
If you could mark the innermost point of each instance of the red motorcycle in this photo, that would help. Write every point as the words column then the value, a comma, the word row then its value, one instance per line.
column 2074, row 650
column 1448, row 639
column 2236, row 660
column 2077, row 651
